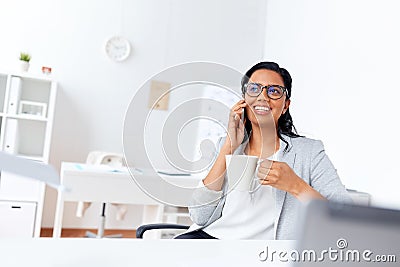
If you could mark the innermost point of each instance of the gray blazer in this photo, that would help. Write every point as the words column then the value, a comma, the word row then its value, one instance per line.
column 308, row 160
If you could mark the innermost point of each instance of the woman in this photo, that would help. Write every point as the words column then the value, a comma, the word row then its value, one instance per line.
column 301, row 168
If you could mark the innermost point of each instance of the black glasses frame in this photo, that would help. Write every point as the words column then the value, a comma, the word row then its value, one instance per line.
column 266, row 87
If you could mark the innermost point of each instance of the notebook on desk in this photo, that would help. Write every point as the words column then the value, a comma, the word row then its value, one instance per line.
column 173, row 173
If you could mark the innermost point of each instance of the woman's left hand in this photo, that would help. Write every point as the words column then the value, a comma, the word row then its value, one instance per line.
column 279, row 175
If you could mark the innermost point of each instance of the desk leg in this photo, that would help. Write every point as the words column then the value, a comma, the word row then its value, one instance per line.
column 59, row 215
column 153, row 214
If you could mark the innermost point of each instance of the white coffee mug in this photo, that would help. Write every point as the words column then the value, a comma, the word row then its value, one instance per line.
column 240, row 171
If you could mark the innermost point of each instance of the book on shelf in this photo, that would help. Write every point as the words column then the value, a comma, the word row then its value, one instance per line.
column 15, row 93
column 11, row 136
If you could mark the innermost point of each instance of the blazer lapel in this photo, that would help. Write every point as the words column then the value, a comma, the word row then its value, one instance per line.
column 280, row 196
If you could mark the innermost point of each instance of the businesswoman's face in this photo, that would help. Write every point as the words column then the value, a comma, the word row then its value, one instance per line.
column 261, row 110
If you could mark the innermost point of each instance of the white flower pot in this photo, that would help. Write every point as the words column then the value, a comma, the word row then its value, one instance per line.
column 24, row 65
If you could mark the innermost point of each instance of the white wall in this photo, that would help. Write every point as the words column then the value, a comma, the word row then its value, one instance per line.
column 94, row 92
column 344, row 58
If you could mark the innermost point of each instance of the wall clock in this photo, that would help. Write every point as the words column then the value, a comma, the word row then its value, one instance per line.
column 118, row 48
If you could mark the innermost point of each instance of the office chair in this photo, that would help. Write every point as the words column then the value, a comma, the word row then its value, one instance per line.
column 143, row 228
column 173, row 217
column 114, row 160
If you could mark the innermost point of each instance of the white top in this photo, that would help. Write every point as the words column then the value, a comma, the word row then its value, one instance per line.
column 246, row 215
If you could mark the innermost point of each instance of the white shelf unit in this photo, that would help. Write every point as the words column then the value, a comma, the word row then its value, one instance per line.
column 25, row 132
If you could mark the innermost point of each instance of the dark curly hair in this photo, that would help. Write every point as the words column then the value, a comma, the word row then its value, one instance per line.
column 285, row 122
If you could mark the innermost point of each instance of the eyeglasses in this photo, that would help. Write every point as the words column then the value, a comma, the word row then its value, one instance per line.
column 273, row 91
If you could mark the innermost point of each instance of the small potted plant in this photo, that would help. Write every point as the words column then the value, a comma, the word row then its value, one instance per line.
column 24, row 58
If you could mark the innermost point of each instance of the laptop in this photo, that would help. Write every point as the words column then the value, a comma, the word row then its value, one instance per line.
column 334, row 234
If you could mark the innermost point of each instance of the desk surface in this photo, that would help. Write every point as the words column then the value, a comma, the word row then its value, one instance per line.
column 78, row 252
column 104, row 183
column 92, row 183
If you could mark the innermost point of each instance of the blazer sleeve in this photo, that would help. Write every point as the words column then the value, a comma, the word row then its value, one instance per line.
column 205, row 203
column 324, row 177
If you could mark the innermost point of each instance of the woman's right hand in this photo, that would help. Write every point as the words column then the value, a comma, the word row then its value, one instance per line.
column 235, row 126
column 215, row 178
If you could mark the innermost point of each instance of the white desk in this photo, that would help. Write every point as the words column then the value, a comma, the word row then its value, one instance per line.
column 77, row 252
column 98, row 184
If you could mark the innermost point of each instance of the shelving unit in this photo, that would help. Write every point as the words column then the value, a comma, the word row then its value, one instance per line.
column 26, row 120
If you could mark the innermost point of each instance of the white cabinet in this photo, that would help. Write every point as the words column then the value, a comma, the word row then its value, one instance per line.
column 26, row 119
column 18, row 215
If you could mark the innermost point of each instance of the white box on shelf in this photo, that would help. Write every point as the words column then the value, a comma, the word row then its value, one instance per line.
column 32, row 108
column 15, row 93
column 11, row 136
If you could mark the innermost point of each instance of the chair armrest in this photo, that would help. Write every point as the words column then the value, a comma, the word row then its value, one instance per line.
column 143, row 228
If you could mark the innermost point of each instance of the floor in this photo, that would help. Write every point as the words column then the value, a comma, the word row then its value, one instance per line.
column 69, row 232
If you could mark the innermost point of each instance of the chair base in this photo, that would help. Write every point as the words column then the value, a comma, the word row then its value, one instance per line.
column 100, row 230
column 89, row 234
